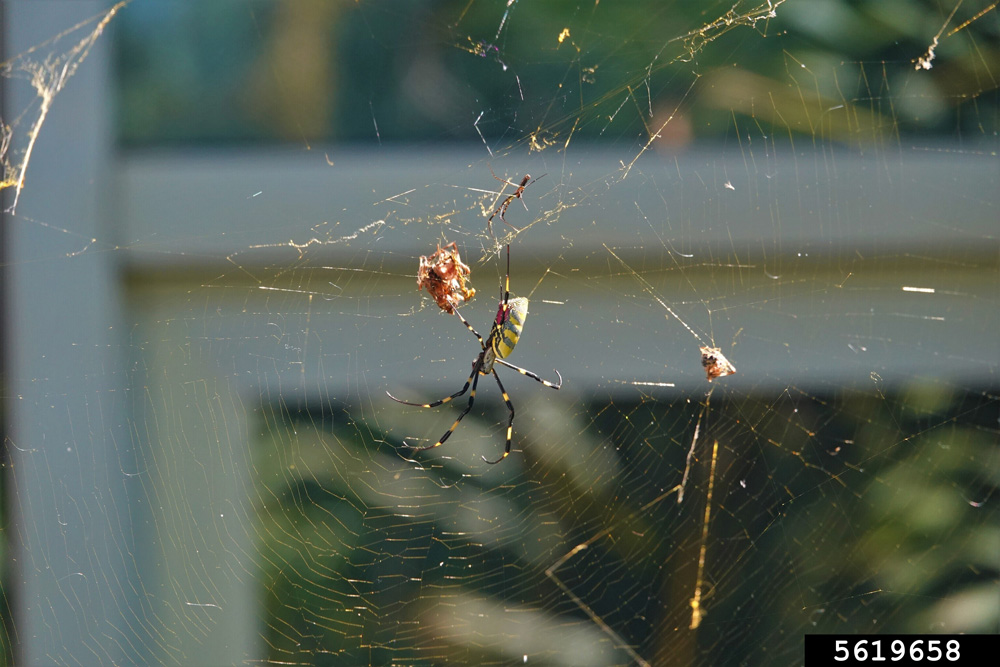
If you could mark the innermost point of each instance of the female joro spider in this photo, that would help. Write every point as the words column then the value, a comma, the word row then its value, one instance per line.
column 504, row 335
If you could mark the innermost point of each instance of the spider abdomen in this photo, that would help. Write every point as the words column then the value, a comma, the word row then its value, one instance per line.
column 507, row 330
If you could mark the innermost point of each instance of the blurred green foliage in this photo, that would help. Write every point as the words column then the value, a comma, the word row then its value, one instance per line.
column 233, row 71
column 852, row 513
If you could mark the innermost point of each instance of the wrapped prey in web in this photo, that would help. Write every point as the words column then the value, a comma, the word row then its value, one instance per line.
column 444, row 276
column 715, row 363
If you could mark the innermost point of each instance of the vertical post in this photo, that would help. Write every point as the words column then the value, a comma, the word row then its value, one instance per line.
column 68, row 443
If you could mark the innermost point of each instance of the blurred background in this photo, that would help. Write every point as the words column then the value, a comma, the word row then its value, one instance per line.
column 213, row 218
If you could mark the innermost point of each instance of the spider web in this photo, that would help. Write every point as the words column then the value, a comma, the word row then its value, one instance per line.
column 222, row 479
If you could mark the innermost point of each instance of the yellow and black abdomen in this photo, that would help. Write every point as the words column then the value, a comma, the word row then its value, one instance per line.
column 506, row 333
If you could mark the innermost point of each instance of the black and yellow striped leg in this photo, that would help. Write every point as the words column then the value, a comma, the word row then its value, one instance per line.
column 475, row 369
column 468, row 326
column 472, row 398
column 510, row 423
column 524, row 371
column 506, row 287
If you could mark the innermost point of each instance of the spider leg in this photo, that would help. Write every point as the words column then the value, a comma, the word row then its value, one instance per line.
column 472, row 398
column 524, row 371
column 506, row 205
column 518, row 191
column 505, row 295
column 510, row 423
column 513, row 185
column 469, row 327
column 502, row 208
column 475, row 369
